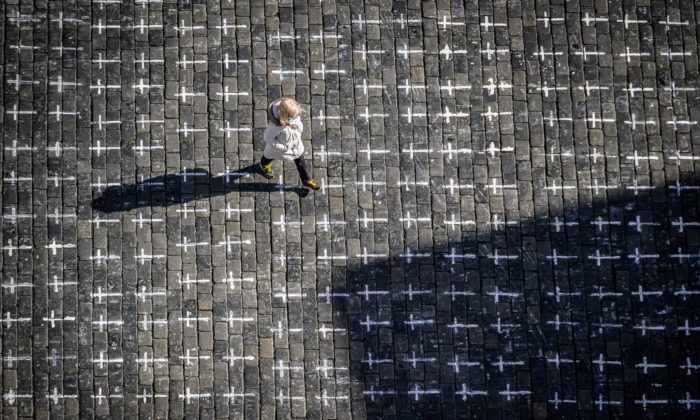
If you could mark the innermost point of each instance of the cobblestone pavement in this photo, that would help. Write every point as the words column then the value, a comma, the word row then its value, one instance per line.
column 508, row 225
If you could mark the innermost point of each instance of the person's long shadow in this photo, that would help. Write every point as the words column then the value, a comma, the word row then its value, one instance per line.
column 183, row 187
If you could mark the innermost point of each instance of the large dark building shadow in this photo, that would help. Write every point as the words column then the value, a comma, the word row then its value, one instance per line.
column 550, row 330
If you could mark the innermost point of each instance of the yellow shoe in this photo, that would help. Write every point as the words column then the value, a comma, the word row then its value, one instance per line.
column 312, row 185
column 266, row 170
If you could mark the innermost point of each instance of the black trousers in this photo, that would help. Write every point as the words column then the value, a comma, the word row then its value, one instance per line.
column 300, row 164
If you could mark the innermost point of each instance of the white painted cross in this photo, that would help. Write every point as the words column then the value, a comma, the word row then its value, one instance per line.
column 143, row 257
column 405, row 51
column 409, row 255
column 372, row 393
column 551, row 119
column 225, row 60
column 685, row 293
column 632, row 89
column 413, row 359
column 601, row 362
column 499, row 326
column 545, row 88
column 231, row 319
column 143, row 294
column 102, row 323
column 626, row 20
column 667, row 22
column 408, row 220
column 361, row 22
column 186, row 245
column 510, row 394
column 542, row 54
column 486, row 24
column 184, row 28
column 366, row 115
column 464, row 393
column 53, row 320
column 189, row 395
column 12, row 285
column 100, row 294
column 688, row 402
column 687, row 329
column 455, row 326
column 364, row 183
column 9, row 321
column 627, row 55
column 634, row 123
column 558, row 323
column 448, row 115
column 675, row 122
column 19, row 47
column 225, row 26
column 100, row 61
column 555, row 257
column 12, row 396
column 146, row 360
column 367, row 220
column 232, row 395
column 101, row 361
column 143, row 61
column 17, row 82
column 281, row 72
column 60, row 84
column 410, row 115
column 413, row 322
column 585, row 53
column 638, row 257
column 55, row 397
column 188, row 359
column 14, row 149
column 366, row 256
column 188, row 318
column 636, row 187
column 370, row 360
column 587, row 19
column 501, row 363
column 325, row 367
column 645, row 365
column 15, row 112
column 448, row 150
column 448, row 52
column 604, row 325
column 557, row 360
column 454, row 293
column 187, row 281
column 644, row 402
column 323, row 71
column 184, row 94
column 556, row 401
column 328, row 295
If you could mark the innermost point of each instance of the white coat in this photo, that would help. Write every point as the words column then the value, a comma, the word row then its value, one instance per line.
column 283, row 142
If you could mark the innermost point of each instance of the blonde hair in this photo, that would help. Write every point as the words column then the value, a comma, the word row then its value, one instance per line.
column 288, row 107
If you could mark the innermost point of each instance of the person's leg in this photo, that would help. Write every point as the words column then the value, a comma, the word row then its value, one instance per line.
column 301, row 167
column 304, row 174
column 266, row 167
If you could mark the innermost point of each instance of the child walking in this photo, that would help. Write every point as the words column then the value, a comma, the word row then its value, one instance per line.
column 283, row 139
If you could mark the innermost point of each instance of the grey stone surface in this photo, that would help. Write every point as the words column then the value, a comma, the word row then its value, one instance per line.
column 508, row 225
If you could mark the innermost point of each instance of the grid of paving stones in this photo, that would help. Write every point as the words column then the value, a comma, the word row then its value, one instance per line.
column 508, row 224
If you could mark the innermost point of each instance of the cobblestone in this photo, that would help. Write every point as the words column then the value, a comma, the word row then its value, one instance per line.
column 508, row 224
